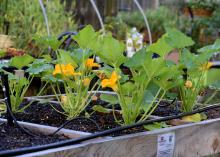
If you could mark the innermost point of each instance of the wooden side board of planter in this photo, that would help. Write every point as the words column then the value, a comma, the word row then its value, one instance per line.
column 49, row 129
column 191, row 140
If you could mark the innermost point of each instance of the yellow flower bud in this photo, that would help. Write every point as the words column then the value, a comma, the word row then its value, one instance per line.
column 188, row 84
column 86, row 81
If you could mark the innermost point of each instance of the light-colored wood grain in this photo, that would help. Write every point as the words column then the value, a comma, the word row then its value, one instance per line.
column 192, row 140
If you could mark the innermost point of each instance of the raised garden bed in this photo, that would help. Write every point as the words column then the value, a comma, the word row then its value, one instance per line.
column 186, row 141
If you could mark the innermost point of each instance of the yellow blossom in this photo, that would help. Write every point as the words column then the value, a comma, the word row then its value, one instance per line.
column 206, row 66
column 188, row 84
column 111, row 82
column 66, row 70
column 91, row 64
column 86, row 82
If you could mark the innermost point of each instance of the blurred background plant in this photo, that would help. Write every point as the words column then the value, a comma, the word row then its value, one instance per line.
column 27, row 20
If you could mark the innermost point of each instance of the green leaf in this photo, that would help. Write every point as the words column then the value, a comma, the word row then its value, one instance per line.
column 21, row 61
column 167, row 79
column 112, row 99
column 156, row 126
column 127, row 88
column 64, row 57
column 148, row 96
column 34, row 70
column 138, row 59
column 154, row 66
column 100, row 108
column 211, row 48
column 111, row 51
column 2, row 53
column 51, row 42
column 171, row 95
column 47, row 57
column 3, row 108
column 177, row 39
column 80, row 55
column 188, row 59
column 193, row 118
column 212, row 78
column 161, row 47
column 39, row 66
column 87, row 37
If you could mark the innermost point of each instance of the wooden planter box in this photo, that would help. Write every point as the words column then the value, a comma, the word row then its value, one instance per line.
column 189, row 140
column 195, row 139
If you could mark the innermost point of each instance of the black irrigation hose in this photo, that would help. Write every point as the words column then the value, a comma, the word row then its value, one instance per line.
column 168, row 104
column 11, row 120
column 69, row 121
column 25, row 130
column 100, row 134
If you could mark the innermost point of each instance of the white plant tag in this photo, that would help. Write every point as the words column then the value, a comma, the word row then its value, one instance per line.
column 165, row 145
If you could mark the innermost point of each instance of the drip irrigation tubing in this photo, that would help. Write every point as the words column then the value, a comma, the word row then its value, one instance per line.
column 25, row 130
column 11, row 120
column 69, row 121
column 100, row 134
column 168, row 104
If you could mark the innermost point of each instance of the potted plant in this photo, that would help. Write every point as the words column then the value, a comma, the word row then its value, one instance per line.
column 203, row 8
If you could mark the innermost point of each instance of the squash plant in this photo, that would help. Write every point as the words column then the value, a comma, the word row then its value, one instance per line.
column 194, row 67
column 19, row 84
column 151, row 78
column 71, row 76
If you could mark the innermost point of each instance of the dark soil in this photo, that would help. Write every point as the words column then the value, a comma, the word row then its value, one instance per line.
column 12, row 137
column 214, row 113
column 45, row 114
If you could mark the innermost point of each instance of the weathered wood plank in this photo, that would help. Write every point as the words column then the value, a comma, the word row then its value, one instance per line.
column 192, row 140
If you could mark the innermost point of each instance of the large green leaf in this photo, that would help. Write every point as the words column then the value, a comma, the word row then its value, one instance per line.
column 161, row 47
column 177, row 39
column 154, row 66
column 64, row 57
column 79, row 55
column 21, row 61
column 167, row 78
column 39, row 66
column 111, row 50
column 87, row 37
column 51, row 42
column 138, row 59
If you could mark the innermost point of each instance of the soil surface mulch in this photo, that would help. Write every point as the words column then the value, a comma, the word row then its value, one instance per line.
column 12, row 137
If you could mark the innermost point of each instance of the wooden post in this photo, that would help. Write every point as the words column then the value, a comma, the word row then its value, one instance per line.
column 111, row 8
column 85, row 13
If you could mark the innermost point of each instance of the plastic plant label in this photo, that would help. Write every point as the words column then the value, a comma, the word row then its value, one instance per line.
column 165, row 145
